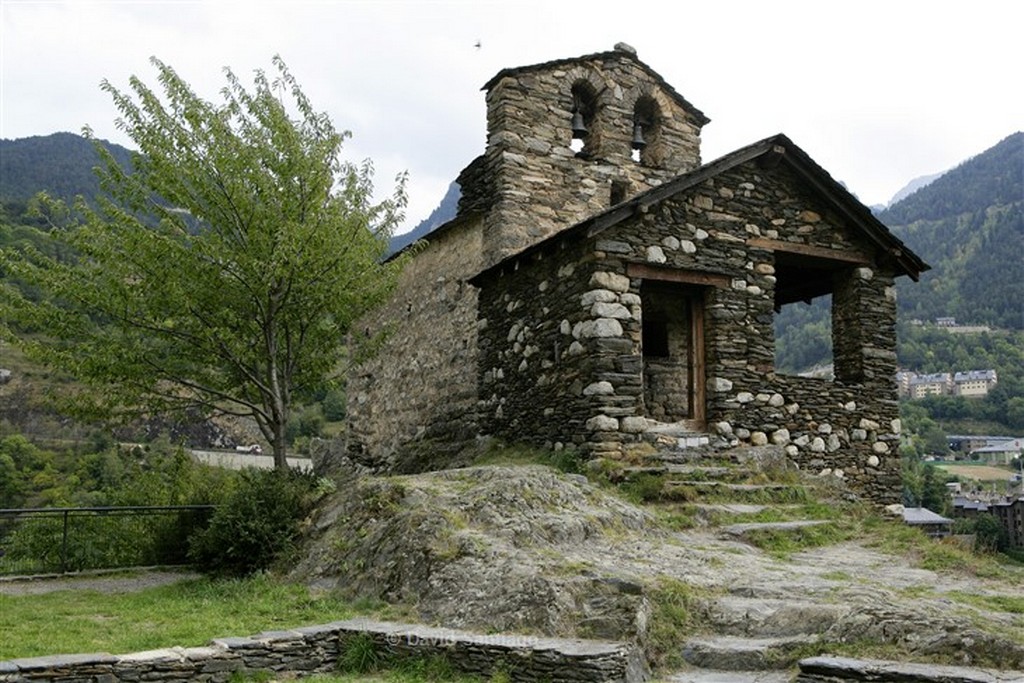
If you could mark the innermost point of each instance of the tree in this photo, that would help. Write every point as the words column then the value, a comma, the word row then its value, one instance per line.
column 223, row 271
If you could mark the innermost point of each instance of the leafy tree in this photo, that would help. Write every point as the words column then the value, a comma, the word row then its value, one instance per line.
column 226, row 269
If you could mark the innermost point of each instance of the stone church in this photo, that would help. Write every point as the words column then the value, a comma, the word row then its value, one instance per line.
column 599, row 283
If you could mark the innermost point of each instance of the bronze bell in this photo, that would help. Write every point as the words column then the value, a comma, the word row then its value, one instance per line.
column 638, row 136
column 579, row 128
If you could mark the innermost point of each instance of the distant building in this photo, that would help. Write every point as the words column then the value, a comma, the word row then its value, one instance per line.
column 939, row 384
column 970, row 383
column 1009, row 512
column 933, row 524
column 1001, row 452
column 974, row 383
column 945, row 322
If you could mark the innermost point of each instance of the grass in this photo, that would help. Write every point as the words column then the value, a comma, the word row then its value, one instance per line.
column 189, row 613
column 674, row 618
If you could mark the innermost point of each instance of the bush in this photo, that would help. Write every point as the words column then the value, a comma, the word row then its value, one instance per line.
column 256, row 524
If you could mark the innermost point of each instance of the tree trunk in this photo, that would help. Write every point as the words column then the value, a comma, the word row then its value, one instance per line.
column 278, row 444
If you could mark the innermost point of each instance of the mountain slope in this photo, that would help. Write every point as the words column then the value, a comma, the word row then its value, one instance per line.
column 969, row 225
column 60, row 164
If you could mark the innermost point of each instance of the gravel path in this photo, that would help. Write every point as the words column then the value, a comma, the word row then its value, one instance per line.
column 120, row 582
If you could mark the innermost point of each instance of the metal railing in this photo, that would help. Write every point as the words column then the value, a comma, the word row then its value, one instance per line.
column 43, row 540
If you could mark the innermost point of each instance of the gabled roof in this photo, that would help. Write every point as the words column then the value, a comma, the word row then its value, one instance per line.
column 621, row 52
column 777, row 149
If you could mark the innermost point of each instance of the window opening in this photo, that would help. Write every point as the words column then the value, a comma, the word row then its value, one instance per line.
column 584, row 107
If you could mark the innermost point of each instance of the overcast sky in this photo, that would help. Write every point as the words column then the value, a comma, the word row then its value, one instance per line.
column 877, row 91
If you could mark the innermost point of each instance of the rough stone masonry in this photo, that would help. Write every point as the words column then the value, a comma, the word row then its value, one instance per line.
column 599, row 281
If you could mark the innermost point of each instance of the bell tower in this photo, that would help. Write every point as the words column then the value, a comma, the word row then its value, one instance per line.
column 570, row 138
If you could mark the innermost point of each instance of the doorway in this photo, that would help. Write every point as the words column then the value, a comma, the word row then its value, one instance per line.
column 672, row 345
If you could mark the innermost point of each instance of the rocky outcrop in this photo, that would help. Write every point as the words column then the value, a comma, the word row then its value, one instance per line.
column 526, row 549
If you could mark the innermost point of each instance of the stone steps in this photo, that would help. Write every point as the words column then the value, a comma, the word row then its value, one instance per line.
column 738, row 615
column 723, row 491
column 739, row 653
column 746, row 530
column 705, row 676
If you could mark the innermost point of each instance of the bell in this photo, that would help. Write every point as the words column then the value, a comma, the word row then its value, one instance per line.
column 638, row 136
column 579, row 128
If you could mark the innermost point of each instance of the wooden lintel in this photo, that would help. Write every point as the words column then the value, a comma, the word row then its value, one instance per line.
column 808, row 250
column 689, row 277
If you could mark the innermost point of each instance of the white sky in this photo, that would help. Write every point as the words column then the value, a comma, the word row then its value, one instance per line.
column 877, row 91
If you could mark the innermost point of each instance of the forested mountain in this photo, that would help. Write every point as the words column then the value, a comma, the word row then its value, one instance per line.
column 60, row 164
column 444, row 212
column 969, row 225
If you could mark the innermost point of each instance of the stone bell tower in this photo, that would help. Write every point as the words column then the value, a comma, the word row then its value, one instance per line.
column 570, row 138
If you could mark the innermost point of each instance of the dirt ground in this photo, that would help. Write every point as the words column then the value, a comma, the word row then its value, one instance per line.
column 120, row 582
column 979, row 472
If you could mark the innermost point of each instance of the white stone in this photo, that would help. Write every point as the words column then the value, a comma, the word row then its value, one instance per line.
column 744, row 397
column 864, row 273
column 742, row 433
column 655, row 254
column 793, row 408
column 565, row 327
column 880, row 447
column 850, row 407
column 499, row 373
column 602, row 423
column 802, row 440
column 758, row 438
column 670, row 242
column 739, row 284
column 858, row 434
column 839, row 473
column 833, row 443
column 896, row 426
column 723, row 428
column 818, row 445
column 523, row 366
column 869, row 425
column 606, row 310
column 754, row 290
column 594, row 296
column 604, row 280
column 513, row 332
column 763, row 398
column 776, row 400
column 577, row 330
column 719, row 384
column 700, row 234
column 629, row 299
column 780, row 437
column 566, row 270
column 792, row 451
column 890, row 293
column 575, row 349
column 602, row 328
column 543, row 286
column 825, row 472
column 688, row 247
column 873, row 461
column 825, row 428
column 633, row 424
column 599, row 389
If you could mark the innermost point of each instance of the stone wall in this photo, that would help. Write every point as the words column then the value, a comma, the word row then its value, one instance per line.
column 317, row 649
column 586, row 297
column 413, row 402
column 540, row 185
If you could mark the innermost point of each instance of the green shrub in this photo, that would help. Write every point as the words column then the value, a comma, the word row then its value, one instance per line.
column 257, row 522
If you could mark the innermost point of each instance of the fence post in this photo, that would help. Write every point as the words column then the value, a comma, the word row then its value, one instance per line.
column 64, row 546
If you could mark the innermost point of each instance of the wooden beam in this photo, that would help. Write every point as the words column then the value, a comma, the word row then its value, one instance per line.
column 808, row 250
column 689, row 277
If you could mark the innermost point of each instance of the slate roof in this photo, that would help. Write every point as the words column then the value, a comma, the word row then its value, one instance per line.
column 784, row 151
column 915, row 516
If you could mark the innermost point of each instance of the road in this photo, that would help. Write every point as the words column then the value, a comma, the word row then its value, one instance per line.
column 235, row 461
